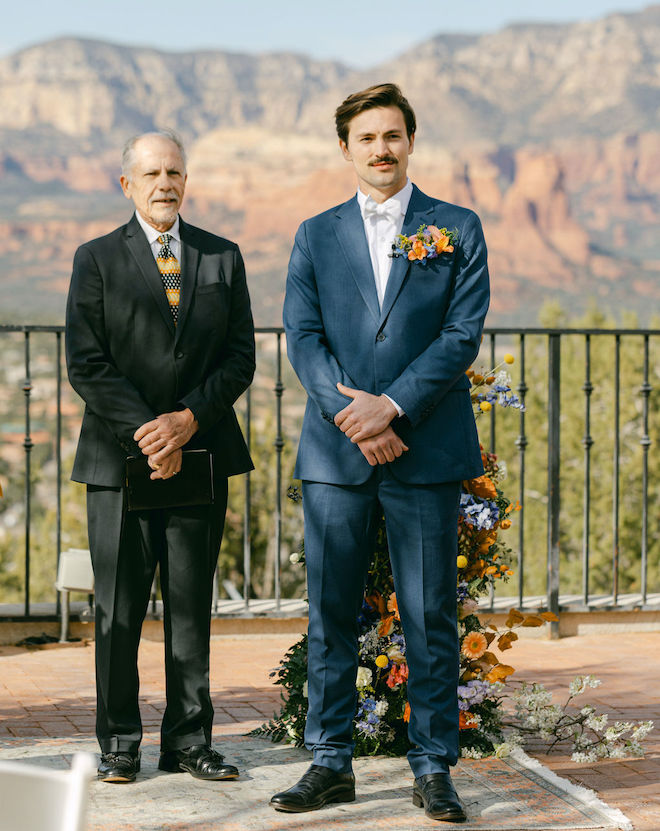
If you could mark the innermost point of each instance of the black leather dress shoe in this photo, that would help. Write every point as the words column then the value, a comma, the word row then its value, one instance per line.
column 199, row 760
column 436, row 793
column 118, row 767
column 317, row 787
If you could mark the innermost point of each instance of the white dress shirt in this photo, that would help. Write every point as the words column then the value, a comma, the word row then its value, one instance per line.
column 382, row 222
column 152, row 237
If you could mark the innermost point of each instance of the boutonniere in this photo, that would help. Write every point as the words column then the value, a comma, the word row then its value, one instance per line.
column 427, row 243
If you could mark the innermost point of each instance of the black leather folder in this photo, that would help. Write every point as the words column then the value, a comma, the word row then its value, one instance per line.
column 193, row 485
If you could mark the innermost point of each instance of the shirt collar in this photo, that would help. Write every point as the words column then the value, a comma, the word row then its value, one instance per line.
column 402, row 198
column 152, row 234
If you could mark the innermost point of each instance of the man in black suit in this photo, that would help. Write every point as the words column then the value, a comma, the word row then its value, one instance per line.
column 159, row 344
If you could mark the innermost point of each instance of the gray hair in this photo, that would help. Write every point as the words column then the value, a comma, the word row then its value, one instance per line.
column 128, row 154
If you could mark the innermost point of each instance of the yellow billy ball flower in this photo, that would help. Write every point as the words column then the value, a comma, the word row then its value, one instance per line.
column 382, row 661
column 461, row 561
column 508, row 358
column 485, row 406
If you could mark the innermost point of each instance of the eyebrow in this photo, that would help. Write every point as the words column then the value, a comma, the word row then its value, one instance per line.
column 393, row 131
column 170, row 170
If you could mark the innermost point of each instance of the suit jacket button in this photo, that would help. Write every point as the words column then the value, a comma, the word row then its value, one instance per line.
column 381, row 337
column 178, row 354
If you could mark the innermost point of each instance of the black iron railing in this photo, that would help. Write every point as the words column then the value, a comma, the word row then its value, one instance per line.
column 543, row 422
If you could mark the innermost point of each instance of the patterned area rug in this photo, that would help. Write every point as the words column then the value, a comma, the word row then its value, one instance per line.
column 514, row 794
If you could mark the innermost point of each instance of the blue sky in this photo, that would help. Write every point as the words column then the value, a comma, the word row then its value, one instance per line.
column 360, row 34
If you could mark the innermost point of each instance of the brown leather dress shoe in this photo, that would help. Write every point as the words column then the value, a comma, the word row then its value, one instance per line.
column 120, row 767
column 317, row 787
column 199, row 760
column 436, row 793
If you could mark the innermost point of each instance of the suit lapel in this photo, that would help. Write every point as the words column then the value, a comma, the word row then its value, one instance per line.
column 139, row 248
column 420, row 212
column 349, row 228
column 189, row 263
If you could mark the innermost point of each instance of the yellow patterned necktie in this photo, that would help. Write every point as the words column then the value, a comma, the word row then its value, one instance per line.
column 170, row 271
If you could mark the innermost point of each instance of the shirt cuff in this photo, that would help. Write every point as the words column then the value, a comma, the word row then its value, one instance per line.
column 399, row 411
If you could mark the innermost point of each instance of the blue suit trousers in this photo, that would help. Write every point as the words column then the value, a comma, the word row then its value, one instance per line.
column 340, row 525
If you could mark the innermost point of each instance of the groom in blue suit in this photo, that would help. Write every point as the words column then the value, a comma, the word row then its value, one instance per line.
column 381, row 345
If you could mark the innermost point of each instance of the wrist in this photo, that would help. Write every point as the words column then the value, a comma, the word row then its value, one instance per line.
column 389, row 406
column 191, row 421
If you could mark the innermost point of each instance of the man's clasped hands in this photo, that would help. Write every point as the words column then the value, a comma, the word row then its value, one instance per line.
column 161, row 441
column 366, row 421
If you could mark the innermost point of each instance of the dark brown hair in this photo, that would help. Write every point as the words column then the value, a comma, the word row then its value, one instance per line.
column 380, row 95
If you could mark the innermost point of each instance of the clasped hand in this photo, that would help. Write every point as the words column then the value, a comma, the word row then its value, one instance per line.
column 161, row 441
column 366, row 422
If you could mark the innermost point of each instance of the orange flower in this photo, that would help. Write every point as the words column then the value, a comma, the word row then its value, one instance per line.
column 417, row 252
column 443, row 244
column 398, row 674
column 385, row 626
column 482, row 486
column 377, row 602
column 406, row 712
column 474, row 645
column 440, row 239
column 505, row 523
column 466, row 720
column 393, row 606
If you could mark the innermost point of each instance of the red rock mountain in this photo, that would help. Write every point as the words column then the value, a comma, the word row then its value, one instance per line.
column 550, row 132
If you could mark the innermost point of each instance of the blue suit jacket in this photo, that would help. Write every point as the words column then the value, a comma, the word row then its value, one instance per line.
column 415, row 349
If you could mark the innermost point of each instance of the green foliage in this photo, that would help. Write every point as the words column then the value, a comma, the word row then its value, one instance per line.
column 292, row 676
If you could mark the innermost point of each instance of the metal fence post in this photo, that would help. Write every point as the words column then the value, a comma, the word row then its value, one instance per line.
column 279, row 447
column 554, row 406
column 27, row 447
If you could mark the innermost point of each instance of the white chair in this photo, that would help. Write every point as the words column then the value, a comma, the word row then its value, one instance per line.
column 34, row 798
column 74, row 574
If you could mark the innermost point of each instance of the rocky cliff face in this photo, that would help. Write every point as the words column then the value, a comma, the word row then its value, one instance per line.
column 550, row 132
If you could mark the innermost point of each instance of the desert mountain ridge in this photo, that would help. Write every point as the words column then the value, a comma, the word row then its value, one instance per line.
column 550, row 132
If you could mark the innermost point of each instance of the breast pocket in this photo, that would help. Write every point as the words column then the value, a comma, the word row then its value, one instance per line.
column 211, row 308
column 211, row 288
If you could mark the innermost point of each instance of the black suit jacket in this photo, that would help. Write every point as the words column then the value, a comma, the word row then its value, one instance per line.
column 130, row 363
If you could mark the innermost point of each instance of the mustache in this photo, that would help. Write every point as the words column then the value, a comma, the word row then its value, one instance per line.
column 381, row 159
column 161, row 196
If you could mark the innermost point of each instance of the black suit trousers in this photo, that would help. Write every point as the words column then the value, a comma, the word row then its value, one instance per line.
column 126, row 547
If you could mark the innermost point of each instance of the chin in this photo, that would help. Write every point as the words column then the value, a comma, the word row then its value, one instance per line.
column 164, row 218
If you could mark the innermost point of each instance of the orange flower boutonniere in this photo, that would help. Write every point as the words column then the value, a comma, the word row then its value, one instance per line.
column 426, row 244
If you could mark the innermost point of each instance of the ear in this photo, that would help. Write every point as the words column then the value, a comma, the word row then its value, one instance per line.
column 411, row 146
column 345, row 151
column 125, row 186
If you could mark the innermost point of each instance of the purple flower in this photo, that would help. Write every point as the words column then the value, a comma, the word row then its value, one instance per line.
column 481, row 513
column 473, row 693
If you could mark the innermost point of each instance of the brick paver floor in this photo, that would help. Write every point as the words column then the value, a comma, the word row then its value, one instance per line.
column 50, row 692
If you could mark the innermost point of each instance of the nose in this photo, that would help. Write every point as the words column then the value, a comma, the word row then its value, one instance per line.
column 163, row 180
column 381, row 146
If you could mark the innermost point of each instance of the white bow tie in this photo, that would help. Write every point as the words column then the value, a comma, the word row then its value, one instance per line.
column 390, row 209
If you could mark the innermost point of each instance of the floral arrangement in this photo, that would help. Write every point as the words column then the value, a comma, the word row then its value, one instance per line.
column 485, row 685
column 493, row 388
column 591, row 735
column 426, row 244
